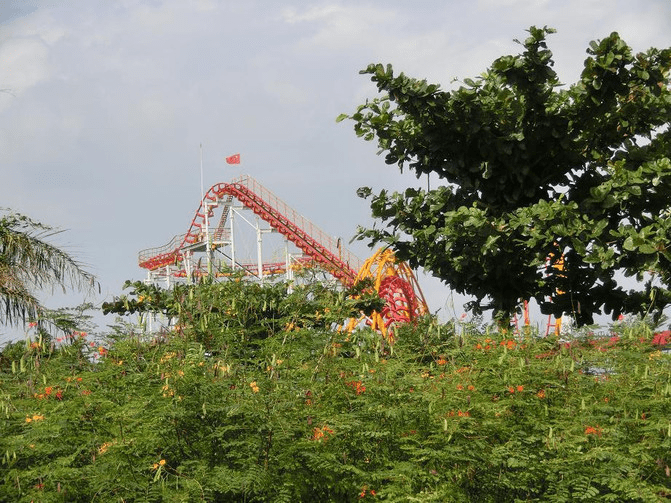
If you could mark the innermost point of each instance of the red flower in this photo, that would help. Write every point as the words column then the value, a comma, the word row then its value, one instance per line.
column 661, row 338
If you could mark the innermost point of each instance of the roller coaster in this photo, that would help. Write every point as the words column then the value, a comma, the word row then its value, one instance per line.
column 213, row 229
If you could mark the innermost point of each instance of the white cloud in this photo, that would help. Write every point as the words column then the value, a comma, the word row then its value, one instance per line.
column 24, row 63
column 342, row 26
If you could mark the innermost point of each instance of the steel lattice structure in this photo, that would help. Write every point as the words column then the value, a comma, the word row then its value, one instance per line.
column 202, row 236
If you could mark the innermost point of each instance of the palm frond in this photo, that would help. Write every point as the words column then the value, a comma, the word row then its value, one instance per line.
column 30, row 263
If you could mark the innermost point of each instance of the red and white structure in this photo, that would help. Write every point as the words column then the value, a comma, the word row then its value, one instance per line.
column 210, row 248
column 226, row 206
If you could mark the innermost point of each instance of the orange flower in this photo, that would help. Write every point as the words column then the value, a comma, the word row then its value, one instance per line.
column 358, row 387
column 520, row 388
column 593, row 430
column 459, row 387
column 541, row 394
column 365, row 489
column 471, row 387
column 511, row 389
column 321, row 433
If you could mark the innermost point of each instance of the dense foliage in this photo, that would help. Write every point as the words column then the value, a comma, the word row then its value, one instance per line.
column 545, row 191
column 254, row 395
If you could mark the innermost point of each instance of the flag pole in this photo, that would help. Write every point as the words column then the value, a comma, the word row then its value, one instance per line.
column 202, row 196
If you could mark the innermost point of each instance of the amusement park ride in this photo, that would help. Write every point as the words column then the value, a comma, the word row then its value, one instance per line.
column 210, row 247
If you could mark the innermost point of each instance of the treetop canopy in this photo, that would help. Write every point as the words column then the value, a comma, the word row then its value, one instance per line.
column 534, row 174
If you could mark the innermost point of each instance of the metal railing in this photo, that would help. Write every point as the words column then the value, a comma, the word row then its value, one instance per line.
column 333, row 245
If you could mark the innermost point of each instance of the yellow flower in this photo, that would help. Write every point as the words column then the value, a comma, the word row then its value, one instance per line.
column 103, row 448
column 162, row 462
column 254, row 387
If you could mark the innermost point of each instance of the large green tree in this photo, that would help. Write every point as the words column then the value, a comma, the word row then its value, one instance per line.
column 545, row 191
column 29, row 263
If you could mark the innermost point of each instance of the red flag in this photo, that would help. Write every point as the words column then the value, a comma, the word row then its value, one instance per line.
column 234, row 159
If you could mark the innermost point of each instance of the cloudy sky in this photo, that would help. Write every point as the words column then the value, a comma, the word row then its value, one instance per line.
column 105, row 103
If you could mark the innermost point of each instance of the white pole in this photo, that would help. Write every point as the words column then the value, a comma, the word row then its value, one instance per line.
column 287, row 260
column 232, row 239
column 202, row 195
column 149, row 282
column 207, row 236
column 259, row 255
column 187, row 267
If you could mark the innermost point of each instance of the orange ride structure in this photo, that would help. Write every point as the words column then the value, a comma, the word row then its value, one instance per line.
column 210, row 247
column 395, row 282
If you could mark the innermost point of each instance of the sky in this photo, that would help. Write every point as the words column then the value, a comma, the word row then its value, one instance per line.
column 105, row 104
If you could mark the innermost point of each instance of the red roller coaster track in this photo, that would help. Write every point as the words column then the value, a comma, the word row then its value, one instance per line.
column 323, row 249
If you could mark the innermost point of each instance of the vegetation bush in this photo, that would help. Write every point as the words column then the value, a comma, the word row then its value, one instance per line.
column 255, row 395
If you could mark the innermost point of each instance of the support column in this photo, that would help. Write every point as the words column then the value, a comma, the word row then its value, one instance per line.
column 208, row 246
column 259, row 250
column 187, row 266
column 230, row 217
